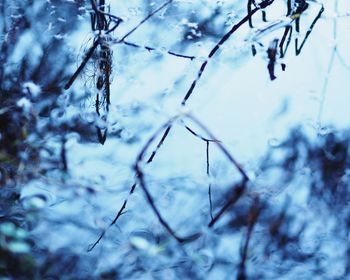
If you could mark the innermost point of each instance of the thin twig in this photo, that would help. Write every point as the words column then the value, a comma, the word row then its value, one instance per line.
column 102, row 13
column 220, row 146
column 87, row 57
column 120, row 212
column 165, row 135
column 133, row 187
column 252, row 219
column 145, row 19
column 287, row 32
column 141, row 180
column 219, row 44
column 237, row 193
column 150, row 200
column 198, row 135
column 64, row 161
column 190, row 57
column 249, row 10
column 150, row 159
column 98, row 11
column 240, row 189
column 298, row 49
column 209, row 187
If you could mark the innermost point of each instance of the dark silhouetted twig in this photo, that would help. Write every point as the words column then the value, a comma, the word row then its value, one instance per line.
column 150, row 200
column 166, row 129
column 64, row 161
column 239, row 190
column 252, row 219
column 249, row 10
column 86, row 59
column 133, row 187
column 150, row 49
column 272, row 54
column 120, row 212
column 208, row 175
column 145, row 19
column 220, row 146
column 99, row 22
column 198, row 135
column 227, row 36
column 297, row 48
column 237, row 193
column 141, row 180
column 207, row 141
column 251, row 3
column 287, row 32
column 165, row 135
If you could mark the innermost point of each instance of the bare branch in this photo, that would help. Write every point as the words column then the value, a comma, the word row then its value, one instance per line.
column 145, row 19
column 86, row 59
column 150, row 49
column 221, row 146
column 219, row 44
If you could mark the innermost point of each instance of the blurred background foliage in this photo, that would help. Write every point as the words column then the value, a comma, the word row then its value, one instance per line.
column 60, row 189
